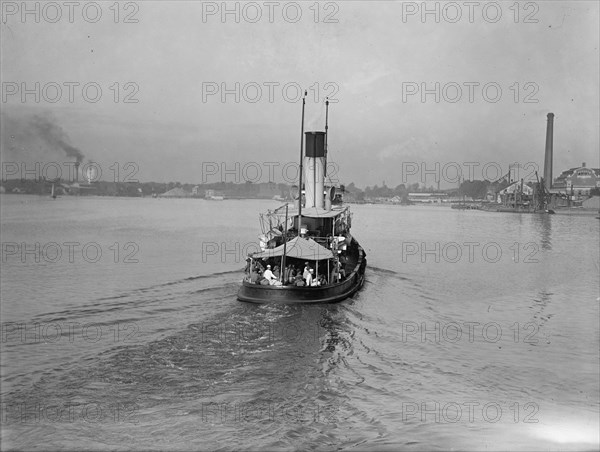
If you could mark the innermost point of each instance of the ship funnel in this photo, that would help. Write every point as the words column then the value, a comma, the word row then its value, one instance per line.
column 314, row 162
column 76, row 175
column 548, row 155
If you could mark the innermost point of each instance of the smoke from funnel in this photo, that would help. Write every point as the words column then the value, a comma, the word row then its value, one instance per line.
column 54, row 136
column 34, row 138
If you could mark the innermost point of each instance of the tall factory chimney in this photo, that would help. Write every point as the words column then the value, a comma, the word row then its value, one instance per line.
column 314, row 164
column 548, row 156
column 76, row 175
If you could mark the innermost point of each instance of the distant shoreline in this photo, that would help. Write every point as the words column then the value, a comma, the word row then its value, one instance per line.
column 572, row 211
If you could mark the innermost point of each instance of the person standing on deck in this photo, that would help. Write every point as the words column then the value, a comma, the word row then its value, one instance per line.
column 289, row 274
column 335, row 275
column 268, row 274
column 306, row 271
column 338, row 272
column 309, row 278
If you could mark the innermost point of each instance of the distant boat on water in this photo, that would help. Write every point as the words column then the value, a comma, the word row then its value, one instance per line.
column 212, row 195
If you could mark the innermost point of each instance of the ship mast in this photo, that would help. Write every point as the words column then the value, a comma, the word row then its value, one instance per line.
column 326, row 127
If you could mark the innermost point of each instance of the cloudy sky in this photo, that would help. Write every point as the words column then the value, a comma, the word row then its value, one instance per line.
column 460, row 85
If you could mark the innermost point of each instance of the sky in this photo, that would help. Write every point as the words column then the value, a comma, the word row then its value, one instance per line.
column 209, row 91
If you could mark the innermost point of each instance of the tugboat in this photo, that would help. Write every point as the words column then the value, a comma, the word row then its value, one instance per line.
column 307, row 253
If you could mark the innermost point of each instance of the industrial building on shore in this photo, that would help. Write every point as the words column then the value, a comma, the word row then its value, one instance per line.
column 578, row 181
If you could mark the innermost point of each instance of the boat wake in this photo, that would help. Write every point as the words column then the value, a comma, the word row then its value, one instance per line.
column 159, row 295
column 385, row 271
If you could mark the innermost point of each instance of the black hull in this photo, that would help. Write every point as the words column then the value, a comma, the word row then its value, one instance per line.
column 254, row 293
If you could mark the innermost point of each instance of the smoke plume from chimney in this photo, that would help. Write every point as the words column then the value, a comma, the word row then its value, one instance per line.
column 54, row 136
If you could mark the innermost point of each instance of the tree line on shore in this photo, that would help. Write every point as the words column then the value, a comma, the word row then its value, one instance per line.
column 475, row 189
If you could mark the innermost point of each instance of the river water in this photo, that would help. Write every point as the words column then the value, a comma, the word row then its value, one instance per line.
column 121, row 330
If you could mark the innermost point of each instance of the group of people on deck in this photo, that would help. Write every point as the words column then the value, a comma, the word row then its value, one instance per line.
column 292, row 275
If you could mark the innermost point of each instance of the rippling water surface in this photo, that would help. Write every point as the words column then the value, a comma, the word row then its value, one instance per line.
column 474, row 330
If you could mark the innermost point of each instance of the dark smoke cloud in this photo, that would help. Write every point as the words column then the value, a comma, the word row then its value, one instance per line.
column 54, row 136
column 36, row 137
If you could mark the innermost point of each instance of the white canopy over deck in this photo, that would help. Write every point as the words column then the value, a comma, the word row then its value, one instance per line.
column 298, row 247
column 312, row 212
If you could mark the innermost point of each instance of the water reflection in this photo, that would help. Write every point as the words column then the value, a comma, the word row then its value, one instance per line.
column 543, row 226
